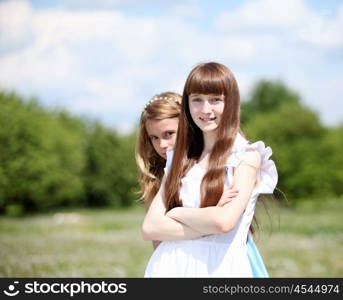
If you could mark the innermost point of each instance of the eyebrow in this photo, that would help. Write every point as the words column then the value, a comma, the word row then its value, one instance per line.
column 196, row 95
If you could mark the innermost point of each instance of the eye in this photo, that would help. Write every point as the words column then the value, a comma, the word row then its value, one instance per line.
column 217, row 99
column 169, row 134
column 196, row 99
column 153, row 138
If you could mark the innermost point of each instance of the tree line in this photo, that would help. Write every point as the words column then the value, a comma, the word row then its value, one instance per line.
column 51, row 159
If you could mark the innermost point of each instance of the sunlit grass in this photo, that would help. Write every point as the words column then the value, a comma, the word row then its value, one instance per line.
column 302, row 242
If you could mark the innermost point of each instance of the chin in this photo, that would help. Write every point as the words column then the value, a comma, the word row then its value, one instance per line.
column 209, row 128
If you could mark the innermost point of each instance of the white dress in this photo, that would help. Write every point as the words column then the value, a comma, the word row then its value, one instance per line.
column 217, row 255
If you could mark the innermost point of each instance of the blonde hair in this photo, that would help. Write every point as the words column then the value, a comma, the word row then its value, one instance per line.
column 150, row 165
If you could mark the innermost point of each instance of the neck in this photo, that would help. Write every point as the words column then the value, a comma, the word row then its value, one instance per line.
column 209, row 140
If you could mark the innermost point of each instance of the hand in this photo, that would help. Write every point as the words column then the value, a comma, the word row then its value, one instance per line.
column 228, row 194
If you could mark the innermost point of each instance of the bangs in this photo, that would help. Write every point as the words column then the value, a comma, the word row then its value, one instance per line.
column 207, row 81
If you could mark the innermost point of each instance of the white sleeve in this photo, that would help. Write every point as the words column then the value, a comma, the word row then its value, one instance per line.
column 169, row 161
column 268, row 175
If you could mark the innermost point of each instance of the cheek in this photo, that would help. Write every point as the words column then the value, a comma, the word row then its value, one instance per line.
column 222, row 107
column 172, row 141
column 191, row 107
column 193, row 110
column 155, row 145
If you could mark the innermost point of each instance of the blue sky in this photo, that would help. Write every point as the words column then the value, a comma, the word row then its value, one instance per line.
column 106, row 59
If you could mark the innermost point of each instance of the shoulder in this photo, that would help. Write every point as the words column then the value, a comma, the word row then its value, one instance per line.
column 252, row 157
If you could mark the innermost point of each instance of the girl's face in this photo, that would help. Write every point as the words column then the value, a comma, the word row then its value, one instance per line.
column 206, row 110
column 162, row 134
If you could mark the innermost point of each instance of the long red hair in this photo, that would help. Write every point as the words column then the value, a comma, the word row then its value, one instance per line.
column 206, row 78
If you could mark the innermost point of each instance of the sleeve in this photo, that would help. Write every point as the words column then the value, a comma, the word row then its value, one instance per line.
column 169, row 161
column 268, row 175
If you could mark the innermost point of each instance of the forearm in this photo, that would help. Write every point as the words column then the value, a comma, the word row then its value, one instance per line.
column 164, row 228
column 157, row 226
column 200, row 219
column 214, row 219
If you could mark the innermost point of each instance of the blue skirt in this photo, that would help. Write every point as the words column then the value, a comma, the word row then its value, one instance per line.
column 257, row 266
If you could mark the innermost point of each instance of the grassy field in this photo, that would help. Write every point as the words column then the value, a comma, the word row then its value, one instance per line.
column 302, row 242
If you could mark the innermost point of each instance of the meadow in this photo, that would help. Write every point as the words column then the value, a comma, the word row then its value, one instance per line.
column 306, row 241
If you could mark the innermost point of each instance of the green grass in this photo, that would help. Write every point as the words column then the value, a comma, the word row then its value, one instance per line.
column 302, row 242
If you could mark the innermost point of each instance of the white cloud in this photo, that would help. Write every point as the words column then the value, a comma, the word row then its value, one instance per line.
column 282, row 19
column 187, row 9
column 324, row 97
column 107, row 64
column 324, row 31
column 265, row 14
column 65, row 45
column 15, row 22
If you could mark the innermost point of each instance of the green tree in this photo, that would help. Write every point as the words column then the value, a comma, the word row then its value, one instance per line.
column 265, row 97
column 110, row 175
column 41, row 157
column 306, row 152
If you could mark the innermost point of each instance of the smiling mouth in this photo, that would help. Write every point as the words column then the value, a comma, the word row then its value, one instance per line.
column 207, row 119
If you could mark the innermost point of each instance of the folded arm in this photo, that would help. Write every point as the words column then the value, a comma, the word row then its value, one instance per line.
column 215, row 219
column 157, row 226
column 155, row 243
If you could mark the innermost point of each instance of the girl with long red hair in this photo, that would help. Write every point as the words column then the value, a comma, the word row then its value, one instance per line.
column 200, row 238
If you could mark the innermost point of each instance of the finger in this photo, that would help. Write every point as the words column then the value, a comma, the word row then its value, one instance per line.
column 230, row 189
column 225, row 201
column 229, row 194
column 227, row 188
column 232, row 196
column 220, row 202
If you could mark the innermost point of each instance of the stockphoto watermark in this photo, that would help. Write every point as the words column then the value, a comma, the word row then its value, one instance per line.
column 71, row 289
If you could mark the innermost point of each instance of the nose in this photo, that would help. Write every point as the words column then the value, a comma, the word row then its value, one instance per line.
column 206, row 107
column 163, row 143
